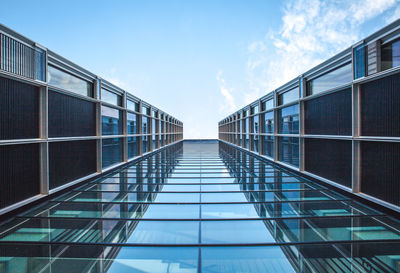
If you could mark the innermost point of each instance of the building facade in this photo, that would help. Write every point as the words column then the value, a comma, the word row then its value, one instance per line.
column 61, row 124
column 338, row 122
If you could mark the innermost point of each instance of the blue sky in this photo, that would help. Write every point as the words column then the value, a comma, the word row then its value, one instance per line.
column 198, row 60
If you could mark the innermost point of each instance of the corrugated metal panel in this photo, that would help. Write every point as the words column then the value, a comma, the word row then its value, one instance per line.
column 19, row 173
column 329, row 114
column 70, row 116
column 19, row 110
column 380, row 107
column 71, row 160
column 330, row 159
column 380, row 170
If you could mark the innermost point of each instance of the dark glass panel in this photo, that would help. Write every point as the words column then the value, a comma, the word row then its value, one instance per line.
column 70, row 116
column 330, row 159
column 380, row 107
column 380, row 170
column 19, row 173
column 71, row 160
column 390, row 55
column 19, row 110
column 329, row 114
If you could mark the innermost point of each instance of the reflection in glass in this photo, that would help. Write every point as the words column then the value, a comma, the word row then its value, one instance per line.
column 289, row 120
column 111, row 121
column 61, row 79
column 337, row 77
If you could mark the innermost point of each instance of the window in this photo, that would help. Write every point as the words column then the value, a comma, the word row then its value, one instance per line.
column 154, row 125
column 145, row 110
column 145, row 125
column 111, row 121
column 69, row 82
column 110, row 97
column 268, row 146
column 132, row 124
column 289, row 150
column 390, row 55
column 289, row 96
column 133, row 106
column 267, row 105
column 289, row 120
column 269, row 122
column 359, row 61
column 112, row 151
column 133, row 147
column 255, row 124
column 338, row 77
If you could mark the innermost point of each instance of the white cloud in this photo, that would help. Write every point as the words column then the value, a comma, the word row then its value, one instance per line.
column 311, row 32
column 228, row 105
column 394, row 16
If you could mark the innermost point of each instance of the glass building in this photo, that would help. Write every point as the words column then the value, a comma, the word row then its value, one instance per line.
column 94, row 179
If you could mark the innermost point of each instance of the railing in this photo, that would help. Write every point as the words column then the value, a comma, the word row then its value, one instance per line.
column 21, row 59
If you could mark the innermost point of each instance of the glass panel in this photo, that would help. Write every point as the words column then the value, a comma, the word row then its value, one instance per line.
column 289, row 150
column 111, row 121
column 111, row 97
column 391, row 55
column 69, row 82
column 289, row 120
column 269, row 122
column 133, row 147
column 131, row 105
column 145, row 125
column 112, row 151
column 359, row 61
column 132, row 124
column 268, row 146
column 289, row 96
column 338, row 77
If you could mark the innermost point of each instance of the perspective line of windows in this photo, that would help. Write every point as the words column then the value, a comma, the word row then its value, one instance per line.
column 310, row 126
column 52, row 109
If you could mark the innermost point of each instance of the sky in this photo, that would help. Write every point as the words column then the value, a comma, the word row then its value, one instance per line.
column 198, row 60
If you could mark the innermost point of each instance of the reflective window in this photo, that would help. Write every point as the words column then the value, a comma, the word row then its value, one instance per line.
column 289, row 120
column 145, row 110
column 256, row 124
column 391, row 55
column 268, row 146
column 133, row 106
column 289, row 96
column 269, row 122
column 132, row 124
column 267, row 105
column 111, row 97
column 64, row 80
column 338, row 77
column 359, row 61
column 289, row 150
column 145, row 125
column 111, row 121
column 154, row 125
column 112, row 151
column 133, row 147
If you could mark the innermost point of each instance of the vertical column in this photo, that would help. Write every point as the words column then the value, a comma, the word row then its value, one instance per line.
column 99, row 153
column 356, row 151
column 139, row 124
column 124, row 129
column 302, row 90
column 276, row 118
column 44, row 146
column 259, row 128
